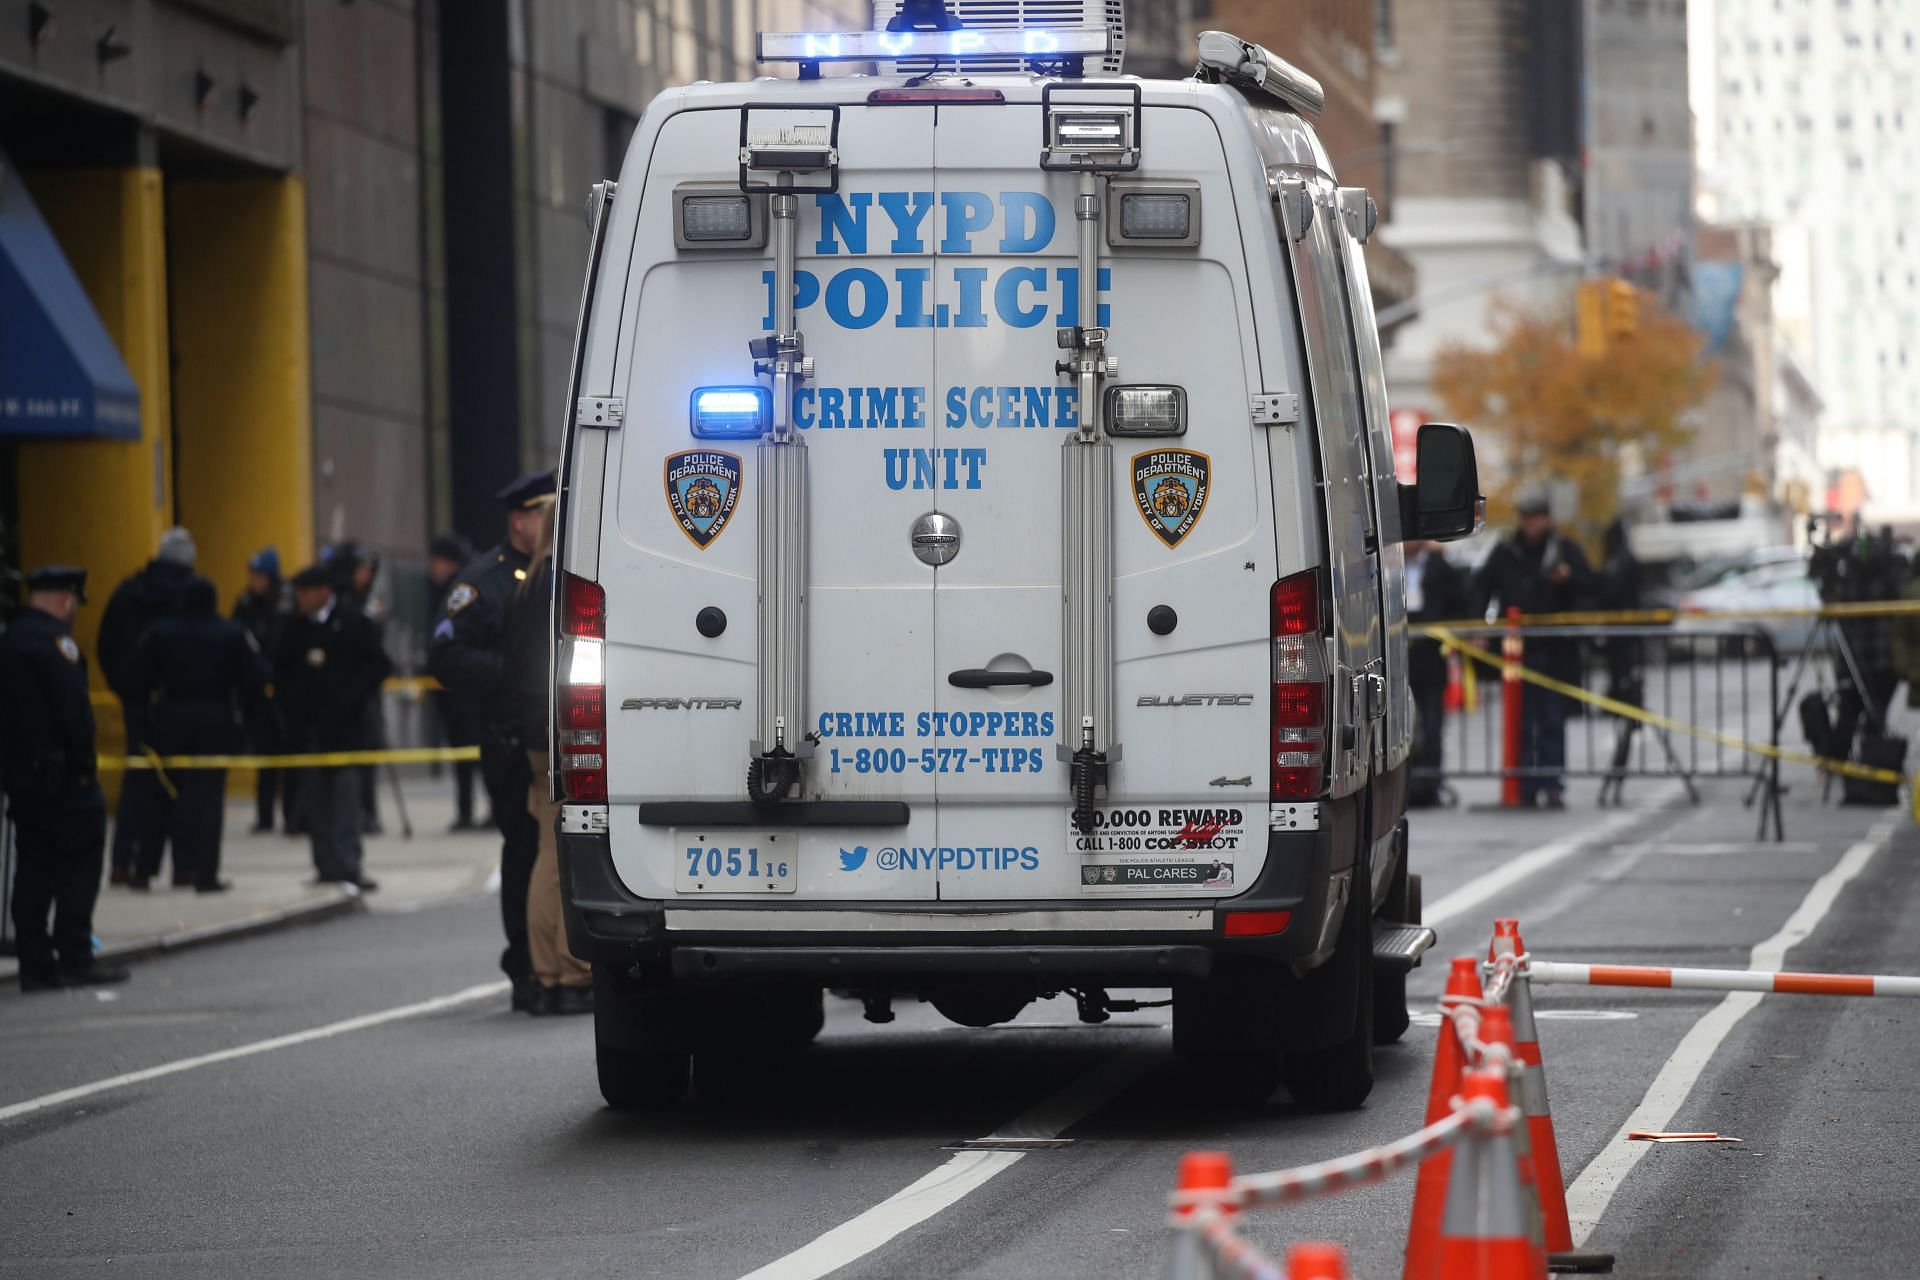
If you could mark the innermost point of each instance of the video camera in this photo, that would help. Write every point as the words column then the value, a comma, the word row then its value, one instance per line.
column 1857, row 568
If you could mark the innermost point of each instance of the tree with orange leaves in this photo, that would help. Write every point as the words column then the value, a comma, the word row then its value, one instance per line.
column 1564, row 416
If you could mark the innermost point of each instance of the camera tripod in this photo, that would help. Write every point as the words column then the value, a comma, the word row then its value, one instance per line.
column 1828, row 633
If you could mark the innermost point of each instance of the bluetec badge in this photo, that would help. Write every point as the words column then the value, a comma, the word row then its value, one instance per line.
column 703, row 491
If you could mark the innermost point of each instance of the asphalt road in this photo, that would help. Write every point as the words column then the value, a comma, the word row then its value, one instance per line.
column 470, row 1142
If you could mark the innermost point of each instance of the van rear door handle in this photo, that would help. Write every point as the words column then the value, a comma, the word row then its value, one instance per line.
column 981, row 678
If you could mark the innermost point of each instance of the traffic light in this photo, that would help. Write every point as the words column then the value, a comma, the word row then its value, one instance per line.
column 1606, row 313
column 1623, row 310
column 1590, row 328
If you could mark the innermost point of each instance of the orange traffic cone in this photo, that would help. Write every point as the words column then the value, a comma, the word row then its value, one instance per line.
column 1317, row 1262
column 1208, row 1174
column 1496, row 1032
column 1547, row 1177
column 1484, row 1233
column 1430, row 1190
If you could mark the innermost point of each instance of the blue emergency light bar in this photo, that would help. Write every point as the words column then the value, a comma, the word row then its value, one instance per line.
column 888, row 46
column 731, row 413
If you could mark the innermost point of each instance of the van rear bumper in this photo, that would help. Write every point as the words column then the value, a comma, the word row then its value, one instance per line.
column 852, row 963
column 1139, row 939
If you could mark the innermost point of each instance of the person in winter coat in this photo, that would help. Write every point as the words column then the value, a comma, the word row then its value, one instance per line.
column 261, row 609
column 564, row 983
column 327, row 672
column 137, row 603
column 1436, row 592
column 1537, row 571
column 196, row 676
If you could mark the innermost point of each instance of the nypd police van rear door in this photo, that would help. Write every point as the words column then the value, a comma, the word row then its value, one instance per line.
column 682, row 584
column 1184, row 811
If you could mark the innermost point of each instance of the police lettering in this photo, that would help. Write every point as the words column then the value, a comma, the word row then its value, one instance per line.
column 911, row 297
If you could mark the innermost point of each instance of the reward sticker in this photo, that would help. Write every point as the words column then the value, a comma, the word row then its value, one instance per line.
column 1160, row 850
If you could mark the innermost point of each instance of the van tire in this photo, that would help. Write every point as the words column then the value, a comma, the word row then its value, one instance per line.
column 631, row 1080
column 1340, row 1076
column 636, row 1073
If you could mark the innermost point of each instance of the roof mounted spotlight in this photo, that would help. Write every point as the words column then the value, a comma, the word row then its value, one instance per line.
column 1226, row 57
column 1090, row 136
column 799, row 147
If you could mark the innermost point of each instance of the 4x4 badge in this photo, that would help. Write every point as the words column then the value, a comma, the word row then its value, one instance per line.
column 1170, row 489
column 703, row 491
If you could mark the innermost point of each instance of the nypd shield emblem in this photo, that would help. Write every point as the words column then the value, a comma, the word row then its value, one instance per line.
column 703, row 491
column 1170, row 489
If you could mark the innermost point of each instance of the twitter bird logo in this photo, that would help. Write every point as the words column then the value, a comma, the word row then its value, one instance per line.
column 852, row 859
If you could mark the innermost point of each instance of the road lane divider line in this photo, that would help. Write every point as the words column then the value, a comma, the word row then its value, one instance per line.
column 962, row 1175
column 1470, row 896
column 485, row 991
column 1594, row 1189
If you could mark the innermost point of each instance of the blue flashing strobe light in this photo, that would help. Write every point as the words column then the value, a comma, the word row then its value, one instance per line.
column 886, row 46
column 731, row 413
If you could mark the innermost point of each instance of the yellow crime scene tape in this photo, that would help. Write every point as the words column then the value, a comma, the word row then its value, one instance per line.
column 296, row 760
column 1845, row 768
column 1662, row 617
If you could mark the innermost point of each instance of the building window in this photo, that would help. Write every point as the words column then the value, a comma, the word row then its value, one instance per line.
column 1383, row 32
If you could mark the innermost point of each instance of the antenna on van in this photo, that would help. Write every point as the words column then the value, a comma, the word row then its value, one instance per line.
column 924, row 15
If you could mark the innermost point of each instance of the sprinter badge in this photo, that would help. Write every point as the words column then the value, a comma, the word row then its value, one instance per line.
column 703, row 489
column 1170, row 489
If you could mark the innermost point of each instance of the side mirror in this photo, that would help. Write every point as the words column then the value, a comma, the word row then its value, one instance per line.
column 1443, row 503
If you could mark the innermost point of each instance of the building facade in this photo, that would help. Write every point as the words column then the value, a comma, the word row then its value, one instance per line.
column 1481, row 101
column 338, row 245
column 1815, row 128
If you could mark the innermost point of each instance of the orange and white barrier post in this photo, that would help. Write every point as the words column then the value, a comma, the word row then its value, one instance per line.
column 1205, row 1192
column 1794, row 984
column 1496, row 1036
column 1484, row 1233
column 1511, row 651
column 1430, row 1190
column 1548, row 1179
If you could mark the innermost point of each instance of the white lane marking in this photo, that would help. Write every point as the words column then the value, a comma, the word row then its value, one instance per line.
column 1594, row 1189
column 1476, row 892
column 1726, row 847
column 963, row 1174
column 484, row 991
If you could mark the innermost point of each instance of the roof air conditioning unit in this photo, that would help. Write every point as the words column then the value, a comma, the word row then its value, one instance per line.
column 1004, row 15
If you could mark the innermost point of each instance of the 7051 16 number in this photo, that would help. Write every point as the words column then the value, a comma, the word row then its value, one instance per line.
column 733, row 862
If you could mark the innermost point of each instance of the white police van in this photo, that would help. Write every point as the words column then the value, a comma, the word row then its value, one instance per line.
column 979, row 565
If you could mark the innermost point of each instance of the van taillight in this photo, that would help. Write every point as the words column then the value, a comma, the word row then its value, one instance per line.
column 580, row 704
column 1299, row 744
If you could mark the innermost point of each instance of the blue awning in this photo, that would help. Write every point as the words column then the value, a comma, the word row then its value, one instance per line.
column 60, row 374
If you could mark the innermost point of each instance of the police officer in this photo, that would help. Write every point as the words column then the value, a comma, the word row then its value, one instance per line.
column 261, row 609
column 327, row 672
column 47, row 766
column 195, row 674
column 137, row 603
column 467, row 655
column 446, row 556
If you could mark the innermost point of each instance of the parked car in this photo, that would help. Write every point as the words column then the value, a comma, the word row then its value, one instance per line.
column 1767, row 587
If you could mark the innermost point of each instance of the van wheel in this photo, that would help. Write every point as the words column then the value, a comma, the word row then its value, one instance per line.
column 636, row 1073
column 1227, row 1028
column 637, row 1081
column 1340, row 1076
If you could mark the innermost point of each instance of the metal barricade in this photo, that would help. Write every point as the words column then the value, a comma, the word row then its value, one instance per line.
column 1685, row 703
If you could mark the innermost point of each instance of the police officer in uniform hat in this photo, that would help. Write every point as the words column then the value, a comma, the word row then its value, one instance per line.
column 468, row 656
column 47, row 765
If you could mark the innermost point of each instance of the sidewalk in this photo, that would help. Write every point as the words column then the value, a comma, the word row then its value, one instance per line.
column 272, row 877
